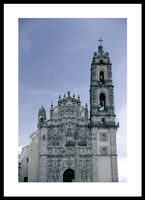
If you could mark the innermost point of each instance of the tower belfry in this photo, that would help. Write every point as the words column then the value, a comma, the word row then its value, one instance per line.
column 102, row 117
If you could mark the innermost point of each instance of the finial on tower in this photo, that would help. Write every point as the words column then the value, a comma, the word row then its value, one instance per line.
column 100, row 40
column 100, row 47
column 79, row 98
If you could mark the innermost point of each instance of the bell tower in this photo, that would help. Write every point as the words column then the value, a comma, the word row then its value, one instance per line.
column 41, row 117
column 102, row 118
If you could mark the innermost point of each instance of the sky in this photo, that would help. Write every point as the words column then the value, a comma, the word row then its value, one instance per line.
column 55, row 56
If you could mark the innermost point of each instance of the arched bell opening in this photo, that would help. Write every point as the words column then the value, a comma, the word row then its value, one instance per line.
column 102, row 100
column 101, row 61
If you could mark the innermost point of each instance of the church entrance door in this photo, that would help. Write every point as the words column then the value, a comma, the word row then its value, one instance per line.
column 68, row 175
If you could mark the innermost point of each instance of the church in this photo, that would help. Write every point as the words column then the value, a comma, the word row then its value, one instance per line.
column 75, row 145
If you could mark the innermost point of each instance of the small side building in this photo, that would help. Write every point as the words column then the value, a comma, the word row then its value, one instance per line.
column 23, row 164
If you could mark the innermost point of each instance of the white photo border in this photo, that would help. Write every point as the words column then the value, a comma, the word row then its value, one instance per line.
column 12, row 12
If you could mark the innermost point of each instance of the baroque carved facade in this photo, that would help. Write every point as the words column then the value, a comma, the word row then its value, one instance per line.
column 73, row 146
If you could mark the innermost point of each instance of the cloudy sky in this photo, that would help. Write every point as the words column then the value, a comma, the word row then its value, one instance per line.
column 55, row 56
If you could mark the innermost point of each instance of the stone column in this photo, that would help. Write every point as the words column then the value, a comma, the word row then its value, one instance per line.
column 43, row 169
column 43, row 165
column 114, row 168
column 113, row 153
column 77, row 175
column 95, row 154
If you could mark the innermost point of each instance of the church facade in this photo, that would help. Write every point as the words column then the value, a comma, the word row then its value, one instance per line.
column 74, row 145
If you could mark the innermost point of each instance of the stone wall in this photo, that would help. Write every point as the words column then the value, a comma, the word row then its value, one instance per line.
column 33, row 170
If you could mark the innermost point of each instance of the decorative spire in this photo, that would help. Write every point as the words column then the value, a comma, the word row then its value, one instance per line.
column 73, row 95
column 95, row 55
column 64, row 95
column 42, row 110
column 107, row 54
column 86, row 106
column 59, row 97
column 68, row 92
column 51, row 106
column 78, row 98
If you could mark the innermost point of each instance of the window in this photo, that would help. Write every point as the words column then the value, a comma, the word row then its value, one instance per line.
column 101, row 77
column 27, row 160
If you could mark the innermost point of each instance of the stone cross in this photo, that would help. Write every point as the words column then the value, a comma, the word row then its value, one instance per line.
column 100, row 41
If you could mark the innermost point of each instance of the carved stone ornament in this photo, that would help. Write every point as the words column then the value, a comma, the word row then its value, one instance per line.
column 104, row 150
column 103, row 136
